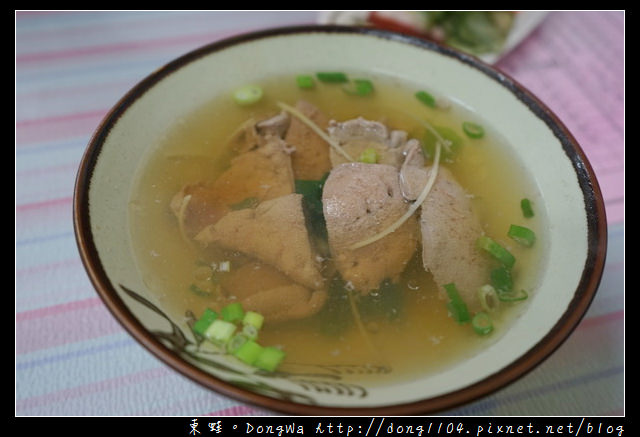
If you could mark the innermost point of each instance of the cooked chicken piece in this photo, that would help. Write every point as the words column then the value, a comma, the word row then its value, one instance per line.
column 310, row 160
column 288, row 302
column 449, row 229
column 196, row 206
column 259, row 174
column 275, row 233
column 268, row 291
column 275, row 126
column 264, row 173
column 245, row 137
column 360, row 129
column 358, row 135
column 252, row 134
column 359, row 201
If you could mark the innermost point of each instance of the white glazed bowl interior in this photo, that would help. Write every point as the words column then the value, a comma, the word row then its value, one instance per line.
column 136, row 125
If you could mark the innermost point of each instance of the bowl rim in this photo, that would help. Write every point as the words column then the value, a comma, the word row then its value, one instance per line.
column 583, row 296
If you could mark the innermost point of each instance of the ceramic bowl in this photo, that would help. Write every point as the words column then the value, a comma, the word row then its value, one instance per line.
column 568, row 187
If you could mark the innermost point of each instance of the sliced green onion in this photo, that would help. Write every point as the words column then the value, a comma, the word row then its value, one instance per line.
column 488, row 298
column 247, row 95
column 205, row 320
column 459, row 311
column 305, row 81
column 482, row 323
column 252, row 318
column 473, row 130
column 232, row 312
column 220, row 331
column 332, row 77
column 359, row 87
column 248, row 352
column 522, row 235
column 236, row 342
column 496, row 251
column 250, row 332
column 513, row 296
column 527, row 209
column 269, row 358
column 426, row 98
column 369, row 156
column 456, row 305
column 501, row 280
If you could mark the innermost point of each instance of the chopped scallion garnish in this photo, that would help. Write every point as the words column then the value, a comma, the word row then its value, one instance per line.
column 205, row 320
column 248, row 352
column 501, row 280
column 457, row 307
column 332, row 77
column 253, row 318
column 488, row 298
column 232, row 312
column 503, row 284
column 482, row 323
column 359, row 87
column 220, row 332
column 473, row 130
column 522, row 235
column 248, row 95
column 236, row 342
column 305, row 81
column 527, row 208
column 250, row 331
column 496, row 250
column 269, row 358
column 426, row 98
column 369, row 156
column 513, row 296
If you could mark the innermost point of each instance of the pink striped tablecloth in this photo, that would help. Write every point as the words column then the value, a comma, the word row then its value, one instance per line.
column 74, row 359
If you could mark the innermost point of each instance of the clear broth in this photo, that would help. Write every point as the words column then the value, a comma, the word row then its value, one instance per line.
column 424, row 338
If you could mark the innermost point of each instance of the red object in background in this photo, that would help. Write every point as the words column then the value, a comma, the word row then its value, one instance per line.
column 381, row 21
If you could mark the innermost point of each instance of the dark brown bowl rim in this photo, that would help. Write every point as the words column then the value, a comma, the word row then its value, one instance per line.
column 589, row 282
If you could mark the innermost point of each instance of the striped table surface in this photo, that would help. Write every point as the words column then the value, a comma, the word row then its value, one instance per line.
column 74, row 359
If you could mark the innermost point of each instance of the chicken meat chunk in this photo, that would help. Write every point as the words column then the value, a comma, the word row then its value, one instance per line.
column 357, row 135
column 310, row 157
column 359, row 201
column 264, row 289
column 449, row 228
column 275, row 233
column 259, row 174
